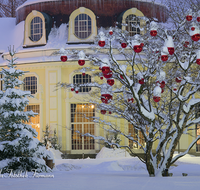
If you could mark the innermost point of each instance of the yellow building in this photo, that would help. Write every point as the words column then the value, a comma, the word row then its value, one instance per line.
column 43, row 27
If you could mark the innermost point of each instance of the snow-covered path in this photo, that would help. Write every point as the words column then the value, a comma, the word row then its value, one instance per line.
column 112, row 174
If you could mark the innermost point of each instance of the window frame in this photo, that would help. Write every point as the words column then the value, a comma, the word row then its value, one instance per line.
column 80, row 29
column 36, row 83
column 77, row 78
column 132, row 19
column 36, row 29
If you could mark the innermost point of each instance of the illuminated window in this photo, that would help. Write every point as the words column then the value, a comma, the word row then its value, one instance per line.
column 137, row 136
column 83, row 26
column 80, row 79
column 30, row 84
column 36, row 29
column 132, row 21
column 80, row 123
column 34, row 121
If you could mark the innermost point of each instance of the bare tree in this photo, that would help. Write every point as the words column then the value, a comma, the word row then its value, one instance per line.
column 8, row 7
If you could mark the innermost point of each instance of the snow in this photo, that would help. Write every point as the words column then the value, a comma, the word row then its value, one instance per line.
column 107, row 173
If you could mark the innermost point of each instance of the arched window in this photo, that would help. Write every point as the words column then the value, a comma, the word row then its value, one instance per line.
column 36, row 29
column 82, row 26
column 80, row 79
column 30, row 84
column 132, row 21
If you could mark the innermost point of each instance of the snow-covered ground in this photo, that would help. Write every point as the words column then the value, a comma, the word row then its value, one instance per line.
column 115, row 172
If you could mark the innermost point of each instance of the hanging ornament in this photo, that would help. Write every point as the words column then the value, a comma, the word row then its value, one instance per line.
column 186, row 44
column 105, row 98
column 110, row 112
column 123, row 45
column 153, row 28
column 162, row 90
column 81, row 60
column 164, row 54
column 142, row 44
column 136, row 46
column 195, row 34
column 76, row 90
column 178, row 79
column 63, row 58
column 101, row 78
column 108, row 75
column 72, row 89
column 130, row 100
column 105, row 66
column 121, row 76
column 170, row 45
column 189, row 17
column 198, row 57
column 103, row 112
column 102, row 39
column 198, row 19
column 111, row 81
column 157, row 94
column 83, row 74
column 141, row 81
column 161, row 84
column 110, row 32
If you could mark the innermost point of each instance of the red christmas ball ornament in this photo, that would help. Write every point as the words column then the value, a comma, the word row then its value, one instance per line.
column 102, row 43
column 103, row 111
column 171, row 50
column 189, row 17
column 153, row 32
column 130, row 100
column 178, row 79
column 193, row 28
column 123, row 45
column 186, row 44
column 81, row 62
column 141, row 81
column 101, row 78
column 162, row 90
column 137, row 48
column 161, row 84
column 142, row 44
column 105, row 70
column 175, row 89
column 195, row 37
column 110, row 112
column 198, row 61
column 63, row 58
column 83, row 74
column 198, row 19
column 100, row 68
column 111, row 32
column 121, row 76
column 156, row 98
column 164, row 57
column 111, row 82
column 76, row 91
column 72, row 89
column 105, row 98
column 108, row 75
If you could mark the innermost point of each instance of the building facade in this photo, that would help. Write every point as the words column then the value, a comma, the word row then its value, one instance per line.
column 42, row 28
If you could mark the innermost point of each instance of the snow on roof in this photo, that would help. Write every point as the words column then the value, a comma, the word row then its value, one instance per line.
column 29, row 2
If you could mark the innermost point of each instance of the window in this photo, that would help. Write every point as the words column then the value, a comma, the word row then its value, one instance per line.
column 132, row 21
column 80, row 79
column 80, row 123
column 34, row 121
column 137, row 135
column 197, row 134
column 30, row 84
column 83, row 26
column 36, row 29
